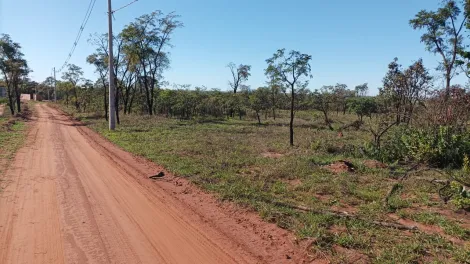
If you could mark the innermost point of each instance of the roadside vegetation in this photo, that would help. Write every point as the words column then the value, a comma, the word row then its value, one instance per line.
column 358, row 178
column 12, row 135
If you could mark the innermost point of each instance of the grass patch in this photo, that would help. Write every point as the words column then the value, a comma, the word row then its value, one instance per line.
column 12, row 136
column 227, row 157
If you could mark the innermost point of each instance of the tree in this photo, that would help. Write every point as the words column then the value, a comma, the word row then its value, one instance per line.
column 13, row 68
column 340, row 97
column 259, row 101
column 240, row 74
column 48, row 83
column 362, row 90
column 98, row 60
column 145, row 41
column 275, row 86
column 290, row 68
column 444, row 34
column 417, row 83
column 393, row 88
column 323, row 101
column 73, row 75
column 405, row 89
column 363, row 106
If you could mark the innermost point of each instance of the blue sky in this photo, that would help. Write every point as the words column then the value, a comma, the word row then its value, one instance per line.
column 351, row 42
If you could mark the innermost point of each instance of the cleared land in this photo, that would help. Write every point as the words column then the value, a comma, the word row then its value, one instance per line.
column 72, row 197
column 345, row 220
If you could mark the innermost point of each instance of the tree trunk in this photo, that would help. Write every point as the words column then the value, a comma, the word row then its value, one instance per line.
column 274, row 113
column 259, row 119
column 398, row 115
column 105, row 99
column 11, row 102
column 77, row 104
column 447, row 87
column 18, row 98
column 291, row 124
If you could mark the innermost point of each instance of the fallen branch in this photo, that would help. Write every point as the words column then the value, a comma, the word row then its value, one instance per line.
column 346, row 215
column 395, row 187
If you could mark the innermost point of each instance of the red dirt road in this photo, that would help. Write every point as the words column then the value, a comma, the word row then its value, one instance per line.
column 72, row 197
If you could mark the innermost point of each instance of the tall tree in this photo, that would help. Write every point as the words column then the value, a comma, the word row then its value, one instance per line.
column 418, row 83
column 13, row 67
column 275, row 86
column 404, row 89
column 443, row 35
column 292, row 69
column 324, row 100
column 74, row 75
column 259, row 101
column 145, row 42
column 98, row 60
column 393, row 88
column 362, row 89
column 240, row 74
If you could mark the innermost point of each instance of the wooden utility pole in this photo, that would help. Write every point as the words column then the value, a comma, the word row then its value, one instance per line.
column 55, row 88
column 112, row 107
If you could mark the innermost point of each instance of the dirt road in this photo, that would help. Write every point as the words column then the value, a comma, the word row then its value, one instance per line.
column 72, row 197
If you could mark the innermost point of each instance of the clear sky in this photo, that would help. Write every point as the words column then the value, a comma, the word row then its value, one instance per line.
column 351, row 42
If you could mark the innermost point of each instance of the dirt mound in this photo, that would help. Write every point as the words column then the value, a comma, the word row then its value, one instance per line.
column 374, row 164
column 340, row 166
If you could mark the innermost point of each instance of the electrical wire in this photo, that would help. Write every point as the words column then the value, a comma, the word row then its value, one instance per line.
column 125, row 6
column 91, row 5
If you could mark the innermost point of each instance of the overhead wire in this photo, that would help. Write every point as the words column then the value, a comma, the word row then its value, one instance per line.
column 82, row 27
column 91, row 5
column 114, row 11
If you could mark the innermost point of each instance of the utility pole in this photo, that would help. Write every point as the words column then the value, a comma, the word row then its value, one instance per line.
column 55, row 88
column 112, row 107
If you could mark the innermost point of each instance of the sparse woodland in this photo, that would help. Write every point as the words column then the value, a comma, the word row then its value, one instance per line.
column 350, row 173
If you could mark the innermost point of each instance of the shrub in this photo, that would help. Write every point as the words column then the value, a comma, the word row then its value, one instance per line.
column 442, row 147
column 461, row 198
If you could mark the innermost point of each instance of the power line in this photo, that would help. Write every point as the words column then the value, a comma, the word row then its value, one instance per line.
column 125, row 6
column 91, row 5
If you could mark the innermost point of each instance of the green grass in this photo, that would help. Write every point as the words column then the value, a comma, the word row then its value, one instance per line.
column 12, row 136
column 228, row 158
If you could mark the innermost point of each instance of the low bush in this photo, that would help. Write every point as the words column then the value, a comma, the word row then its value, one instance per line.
column 442, row 147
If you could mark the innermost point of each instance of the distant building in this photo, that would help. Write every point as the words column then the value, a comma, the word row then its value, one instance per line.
column 26, row 97
column 3, row 92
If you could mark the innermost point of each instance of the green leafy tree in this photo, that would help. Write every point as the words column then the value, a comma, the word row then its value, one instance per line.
column 443, row 34
column 74, row 75
column 292, row 69
column 260, row 101
column 14, row 68
column 363, row 106
column 145, row 42
column 99, row 61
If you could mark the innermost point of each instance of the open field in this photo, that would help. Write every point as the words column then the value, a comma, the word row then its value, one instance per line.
column 337, row 214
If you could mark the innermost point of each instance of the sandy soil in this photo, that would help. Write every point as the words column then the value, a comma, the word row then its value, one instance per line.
column 2, row 109
column 70, row 196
